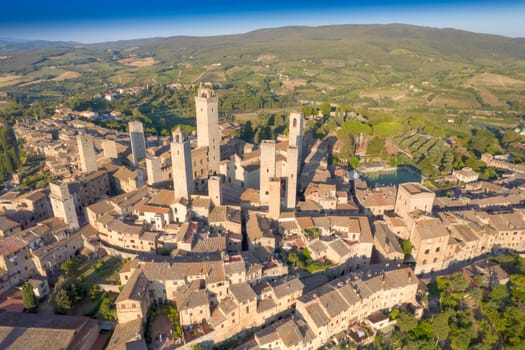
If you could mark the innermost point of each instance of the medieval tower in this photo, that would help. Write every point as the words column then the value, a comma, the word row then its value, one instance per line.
column 181, row 165
column 86, row 153
column 208, row 134
column 267, row 169
column 295, row 140
column 137, row 141
column 63, row 204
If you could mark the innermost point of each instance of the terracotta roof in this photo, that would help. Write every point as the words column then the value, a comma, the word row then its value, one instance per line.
column 10, row 245
column 135, row 289
column 153, row 209
column 7, row 224
column 242, row 292
column 32, row 331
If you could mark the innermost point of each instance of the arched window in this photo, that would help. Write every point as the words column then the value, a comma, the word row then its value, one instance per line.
column 177, row 138
column 294, row 124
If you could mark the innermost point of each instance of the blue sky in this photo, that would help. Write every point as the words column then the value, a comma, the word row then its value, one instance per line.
column 119, row 19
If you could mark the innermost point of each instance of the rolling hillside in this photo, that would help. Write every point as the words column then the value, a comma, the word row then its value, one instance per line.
column 386, row 66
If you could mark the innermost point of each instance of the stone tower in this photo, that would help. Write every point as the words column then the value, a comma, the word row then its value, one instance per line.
column 137, row 141
column 215, row 190
column 154, row 171
column 86, row 153
column 181, row 165
column 293, row 159
column 63, row 204
column 208, row 134
column 267, row 170
column 295, row 130
column 110, row 149
column 292, row 170
column 274, row 199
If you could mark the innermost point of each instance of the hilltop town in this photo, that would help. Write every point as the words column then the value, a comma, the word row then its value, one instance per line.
column 265, row 246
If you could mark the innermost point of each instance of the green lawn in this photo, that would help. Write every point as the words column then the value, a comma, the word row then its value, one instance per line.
column 102, row 271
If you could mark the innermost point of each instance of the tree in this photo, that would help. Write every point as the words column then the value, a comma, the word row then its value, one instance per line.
column 247, row 132
column 325, row 108
column 458, row 282
column 460, row 341
column 29, row 298
column 293, row 258
column 306, row 256
column 385, row 129
column 94, row 290
column 427, row 168
column 197, row 347
column 423, row 330
column 354, row 162
column 70, row 266
column 62, row 301
column 517, row 287
column 500, row 294
column 173, row 317
column 376, row 146
column 440, row 327
column 406, row 322
column 308, row 110
column 107, row 308
column 407, row 247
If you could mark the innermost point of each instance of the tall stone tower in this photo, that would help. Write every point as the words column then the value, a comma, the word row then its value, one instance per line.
column 86, row 153
column 63, row 204
column 153, row 169
column 110, row 149
column 293, row 159
column 181, row 165
column 274, row 199
column 137, row 141
column 295, row 130
column 215, row 190
column 267, row 170
column 208, row 134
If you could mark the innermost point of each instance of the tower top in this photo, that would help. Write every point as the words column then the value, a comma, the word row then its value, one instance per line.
column 205, row 92
column 179, row 135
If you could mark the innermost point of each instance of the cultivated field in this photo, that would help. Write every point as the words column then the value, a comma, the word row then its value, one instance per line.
column 496, row 81
column 66, row 75
column 10, row 80
column 138, row 62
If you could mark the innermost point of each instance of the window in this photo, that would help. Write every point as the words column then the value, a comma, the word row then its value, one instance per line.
column 427, row 251
column 438, row 249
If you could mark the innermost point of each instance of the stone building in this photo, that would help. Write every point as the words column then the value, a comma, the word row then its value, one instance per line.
column 153, row 168
column 181, row 165
column 413, row 196
column 86, row 153
column 63, row 204
column 294, row 156
column 137, row 141
column 267, row 169
column 208, row 133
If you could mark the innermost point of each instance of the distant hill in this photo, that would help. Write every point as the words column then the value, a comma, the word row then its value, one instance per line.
column 356, row 62
column 337, row 41
column 302, row 41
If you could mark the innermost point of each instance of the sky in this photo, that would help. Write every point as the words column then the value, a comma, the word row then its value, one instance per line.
column 88, row 22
